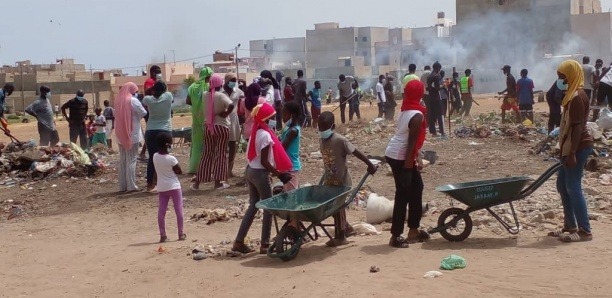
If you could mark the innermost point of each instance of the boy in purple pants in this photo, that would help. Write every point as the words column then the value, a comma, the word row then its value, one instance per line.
column 168, row 186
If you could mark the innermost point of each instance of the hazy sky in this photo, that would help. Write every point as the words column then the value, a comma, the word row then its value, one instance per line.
column 131, row 33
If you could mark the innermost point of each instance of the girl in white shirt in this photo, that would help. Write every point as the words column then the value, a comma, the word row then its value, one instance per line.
column 168, row 186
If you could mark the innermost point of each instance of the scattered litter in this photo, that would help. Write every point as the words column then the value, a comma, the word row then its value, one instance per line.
column 365, row 229
column 453, row 262
column 374, row 269
column 433, row 274
column 472, row 143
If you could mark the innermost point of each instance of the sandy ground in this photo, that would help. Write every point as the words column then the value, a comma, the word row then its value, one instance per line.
column 81, row 239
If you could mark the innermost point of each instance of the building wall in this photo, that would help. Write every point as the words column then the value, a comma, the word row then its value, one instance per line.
column 596, row 32
column 281, row 52
column 366, row 39
column 324, row 47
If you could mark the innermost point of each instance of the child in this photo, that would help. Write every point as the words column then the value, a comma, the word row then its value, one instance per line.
column 109, row 116
column 315, row 99
column 168, row 186
column 91, row 129
column 266, row 156
column 290, row 136
column 100, row 125
column 335, row 148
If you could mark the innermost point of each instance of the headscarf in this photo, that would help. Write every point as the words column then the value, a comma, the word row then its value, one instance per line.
column 215, row 82
column 413, row 93
column 230, row 76
column 123, row 119
column 198, row 87
column 252, row 96
column 268, row 75
column 261, row 113
column 575, row 79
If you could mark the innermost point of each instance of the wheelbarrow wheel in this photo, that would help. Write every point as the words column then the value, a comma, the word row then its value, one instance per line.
column 458, row 231
column 287, row 243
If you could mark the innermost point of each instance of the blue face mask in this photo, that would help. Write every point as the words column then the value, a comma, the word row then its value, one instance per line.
column 48, row 96
column 272, row 124
column 326, row 134
column 79, row 98
column 561, row 85
column 231, row 85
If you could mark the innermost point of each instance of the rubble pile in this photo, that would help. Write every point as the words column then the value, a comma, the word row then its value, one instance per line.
column 20, row 162
column 212, row 216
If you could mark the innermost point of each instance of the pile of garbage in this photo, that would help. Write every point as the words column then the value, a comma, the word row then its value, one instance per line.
column 26, row 161
column 212, row 216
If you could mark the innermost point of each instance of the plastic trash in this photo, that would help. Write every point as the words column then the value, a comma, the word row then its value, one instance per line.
column 365, row 229
column 555, row 132
column 453, row 262
column 379, row 209
column 605, row 119
column 432, row 274
column 527, row 123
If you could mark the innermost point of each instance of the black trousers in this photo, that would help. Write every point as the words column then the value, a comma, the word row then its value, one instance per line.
column 411, row 197
column 48, row 137
column 79, row 131
column 342, row 110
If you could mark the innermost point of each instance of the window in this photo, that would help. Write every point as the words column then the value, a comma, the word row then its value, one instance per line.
column 347, row 62
column 395, row 40
column 265, row 46
column 364, row 39
column 356, row 39
column 365, row 53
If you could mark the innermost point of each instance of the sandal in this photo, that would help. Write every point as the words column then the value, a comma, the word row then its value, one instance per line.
column 558, row 233
column 241, row 248
column 579, row 236
column 163, row 239
column 263, row 249
column 183, row 237
column 223, row 186
column 398, row 242
column 423, row 236
column 193, row 187
column 336, row 242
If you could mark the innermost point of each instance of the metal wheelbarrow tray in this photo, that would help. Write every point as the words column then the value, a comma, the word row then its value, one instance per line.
column 312, row 204
column 455, row 224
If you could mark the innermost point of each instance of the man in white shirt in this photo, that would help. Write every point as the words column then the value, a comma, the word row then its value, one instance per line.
column 604, row 90
column 589, row 76
column 380, row 93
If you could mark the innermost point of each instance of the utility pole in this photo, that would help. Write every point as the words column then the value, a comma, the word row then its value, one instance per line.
column 236, row 58
column 22, row 96
column 93, row 93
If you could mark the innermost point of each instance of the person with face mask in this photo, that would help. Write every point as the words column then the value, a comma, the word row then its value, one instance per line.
column 554, row 96
column 335, row 148
column 42, row 110
column 576, row 145
column 77, row 113
column 230, row 89
column 214, row 163
column 194, row 99
column 266, row 157
column 159, row 107
column 129, row 111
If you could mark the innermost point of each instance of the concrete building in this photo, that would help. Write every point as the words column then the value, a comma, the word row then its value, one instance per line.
column 280, row 53
column 595, row 32
column 63, row 77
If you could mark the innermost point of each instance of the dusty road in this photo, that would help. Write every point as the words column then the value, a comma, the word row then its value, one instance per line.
column 81, row 239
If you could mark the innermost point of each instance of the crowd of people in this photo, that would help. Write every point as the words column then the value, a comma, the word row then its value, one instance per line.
column 225, row 110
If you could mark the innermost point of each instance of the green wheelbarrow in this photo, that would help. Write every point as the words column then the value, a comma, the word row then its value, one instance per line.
column 455, row 224
column 311, row 205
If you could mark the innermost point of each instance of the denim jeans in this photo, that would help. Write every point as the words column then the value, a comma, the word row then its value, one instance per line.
column 151, row 141
column 569, row 186
column 78, row 131
column 258, row 181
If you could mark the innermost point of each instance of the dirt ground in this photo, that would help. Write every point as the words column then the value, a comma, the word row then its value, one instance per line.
column 79, row 238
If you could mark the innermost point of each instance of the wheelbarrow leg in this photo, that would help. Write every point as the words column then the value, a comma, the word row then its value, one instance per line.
column 512, row 230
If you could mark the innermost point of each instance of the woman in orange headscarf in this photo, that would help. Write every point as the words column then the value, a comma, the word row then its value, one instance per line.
column 401, row 154
column 266, row 156
column 576, row 145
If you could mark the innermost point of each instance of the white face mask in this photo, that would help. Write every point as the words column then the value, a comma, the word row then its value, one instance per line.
column 158, row 76
column 272, row 124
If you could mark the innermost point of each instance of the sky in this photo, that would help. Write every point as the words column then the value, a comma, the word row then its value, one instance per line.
column 131, row 33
